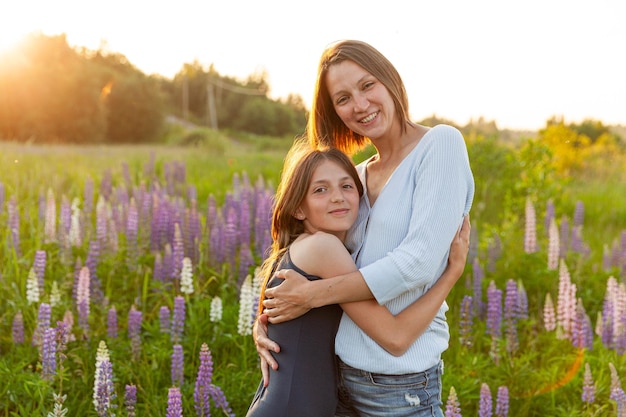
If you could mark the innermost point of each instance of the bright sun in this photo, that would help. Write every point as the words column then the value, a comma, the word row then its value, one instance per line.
column 9, row 37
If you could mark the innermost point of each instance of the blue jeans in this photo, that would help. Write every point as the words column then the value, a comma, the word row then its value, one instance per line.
column 363, row 393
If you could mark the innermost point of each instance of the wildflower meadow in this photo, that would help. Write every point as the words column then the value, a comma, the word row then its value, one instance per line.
column 128, row 284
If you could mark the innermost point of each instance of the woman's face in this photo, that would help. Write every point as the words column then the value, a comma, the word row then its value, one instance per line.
column 331, row 203
column 361, row 101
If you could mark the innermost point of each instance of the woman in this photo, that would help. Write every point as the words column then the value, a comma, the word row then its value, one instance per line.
column 418, row 187
column 316, row 203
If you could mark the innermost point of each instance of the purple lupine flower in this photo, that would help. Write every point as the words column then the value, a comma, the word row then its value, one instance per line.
column 203, row 383
column 112, row 323
column 18, row 328
column 193, row 232
column 494, row 317
column 134, row 330
column 211, row 212
column 158, row 271
column 164, row 319
column 216, row 241
column 219, row 398
column 50, row 218
column 511, row 315
column 502, row 402
column 168, row 263
column 245, row 262
column 65, row 218
column 466, row 322
column 582, row 335
column 589, row 388
column 48, row 354
column 522, row 300
column 174, row 403
column 177, row 365
column 617, row 393
column 478, row 274
column 549, row 215
column 132, row 229
column 485, row 403
column 245, row 221
column 130, row 399
column 530, row 231
column 178, row 319
column 92, row 261
column 39, row 266
column 83, row 298
column 105, row 391
column 579, row 213
column 14, row 224
column 230, row 237
column 453, row 408
column 178, row 252
column 43, row 323
column 578, row 246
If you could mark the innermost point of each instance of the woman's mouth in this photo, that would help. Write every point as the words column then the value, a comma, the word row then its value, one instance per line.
column 369, row 118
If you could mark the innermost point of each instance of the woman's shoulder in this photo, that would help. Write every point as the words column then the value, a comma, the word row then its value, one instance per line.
column 444, row 130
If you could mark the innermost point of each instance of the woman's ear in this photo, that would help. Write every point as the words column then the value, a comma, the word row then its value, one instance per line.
column 299, row 214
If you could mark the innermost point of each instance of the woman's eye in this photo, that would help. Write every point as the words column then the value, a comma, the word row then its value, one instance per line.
column 342, row 100
column 368, row 85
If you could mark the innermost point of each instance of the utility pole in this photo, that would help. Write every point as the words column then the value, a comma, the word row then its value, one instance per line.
column 210, row 105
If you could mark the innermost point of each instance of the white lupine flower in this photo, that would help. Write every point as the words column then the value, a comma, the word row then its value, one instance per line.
column 102, row 354
column 246, row 305
column 215, row 314
column 32, row 287
column 55, row 294
column 186, row 277
column 50, row 226
column 75, row 238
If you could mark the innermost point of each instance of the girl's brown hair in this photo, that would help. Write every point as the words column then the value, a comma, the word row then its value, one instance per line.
column 324, row 127
column 300, row 163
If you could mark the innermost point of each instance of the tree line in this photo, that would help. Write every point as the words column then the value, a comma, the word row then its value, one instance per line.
column 53, row 93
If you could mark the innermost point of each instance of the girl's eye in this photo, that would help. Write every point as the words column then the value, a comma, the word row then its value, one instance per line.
column 342, row 99
column 348, row 186
column 368, row 85
column 319, row 190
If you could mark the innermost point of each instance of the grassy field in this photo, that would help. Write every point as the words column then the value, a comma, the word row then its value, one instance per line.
column 129, row 200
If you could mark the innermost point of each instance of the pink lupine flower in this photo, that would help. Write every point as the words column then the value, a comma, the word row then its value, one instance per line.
column 553, row 246
column 530, row 231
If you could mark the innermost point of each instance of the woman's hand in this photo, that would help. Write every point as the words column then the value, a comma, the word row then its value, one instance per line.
column 288, row 300
column 460, row 247
column 263, row 346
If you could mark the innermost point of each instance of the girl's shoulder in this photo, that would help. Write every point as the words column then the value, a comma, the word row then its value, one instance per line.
column 313, row 252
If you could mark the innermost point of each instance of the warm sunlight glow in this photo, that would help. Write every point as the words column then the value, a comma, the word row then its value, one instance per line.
column 10, row 36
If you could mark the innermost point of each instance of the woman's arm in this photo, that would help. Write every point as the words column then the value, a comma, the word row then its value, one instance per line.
column 393, row 333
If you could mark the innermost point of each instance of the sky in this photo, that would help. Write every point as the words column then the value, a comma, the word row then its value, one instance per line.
column 516, row 63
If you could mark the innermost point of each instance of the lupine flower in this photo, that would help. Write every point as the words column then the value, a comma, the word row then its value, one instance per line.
column 502, row 402
column 186, row 277
column 553, row 246
column 48, row 355
column 564, row 236
column 494, row 251
column 39, row 266
column 177, row 365
column 617, row 392
column 164, row 319
column 112, row 323
column 203, row 383
column 582, row 335
column 178, row 319
column 103, row 379
column 257, row 281
column 68, row 322
column 485, row 403
column 55, row 294
column 14, row 224
column 466, row 321
column 50, row 228
column 178, row 252
column 245, row 260
column 220, row 401
column 75, row 234
column 453, row 408
column 549, row 318
column 579, row 213
column 43, row 323
column 246, row 307
column 522, row 300
column 158, row 271
column 174, row 403
column 134, row 330
column 18, row 328
column 566, row 301
column 132, row 229
column 589, row 389
column 215, row 313
column 477, row 274
column 32, row 287
column 130, row 400
column 59, row 410
column 494, row 317
column 83, row 298
column 511, row 315
column 530, row 231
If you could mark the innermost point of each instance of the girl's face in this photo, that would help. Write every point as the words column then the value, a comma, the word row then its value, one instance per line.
column 331, row 203
column 360, row 100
